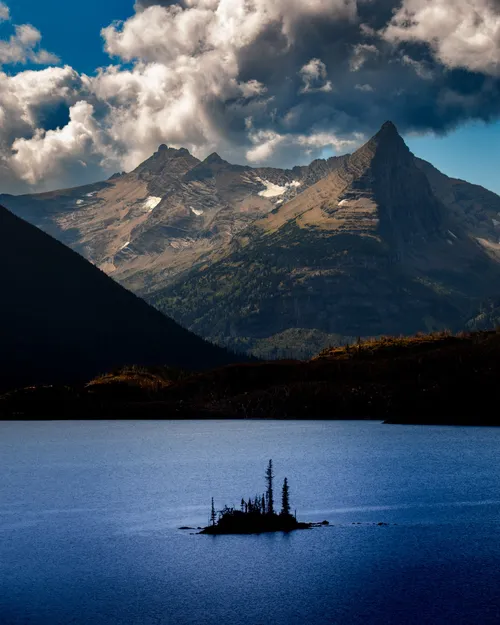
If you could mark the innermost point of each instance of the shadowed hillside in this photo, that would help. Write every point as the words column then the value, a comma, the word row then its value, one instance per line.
column 437, row 378
column 63, row 319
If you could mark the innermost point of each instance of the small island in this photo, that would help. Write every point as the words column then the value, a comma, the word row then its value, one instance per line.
column 258, row 515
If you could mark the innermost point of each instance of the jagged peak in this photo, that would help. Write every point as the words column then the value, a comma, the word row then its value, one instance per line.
column 163, row 148
column 116, row 175
column 388, row 126
column 213, row 159
column 387, row 143
column 388, row 133
column 166, row 157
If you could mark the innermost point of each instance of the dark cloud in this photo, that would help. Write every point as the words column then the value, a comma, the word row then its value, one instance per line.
column 405, row 83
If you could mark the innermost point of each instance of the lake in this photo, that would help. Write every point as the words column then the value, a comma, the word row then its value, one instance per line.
column 90, row 511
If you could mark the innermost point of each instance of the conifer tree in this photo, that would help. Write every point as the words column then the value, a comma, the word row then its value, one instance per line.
column 269, row 493
column 285, row 499
column 263, row 504
column 243, row 505
column 213, row 516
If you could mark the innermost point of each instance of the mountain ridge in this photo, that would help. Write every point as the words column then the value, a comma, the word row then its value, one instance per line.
column 177, row 225
column 173, row 211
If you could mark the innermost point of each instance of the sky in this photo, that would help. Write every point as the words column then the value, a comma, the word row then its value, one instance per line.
column 90, row 89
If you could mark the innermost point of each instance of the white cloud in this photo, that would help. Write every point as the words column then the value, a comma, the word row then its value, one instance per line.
column 165, row 33
column 4, row 13
column 461, row 33
column 187, row 64
column 25, row 96
column 329, row 140
column 362, row 52
column 365, row 87
column 265, row 142
column 420, row 68
column 268, row 143
column 23, row 46
column 314, row 77
column 47, row 154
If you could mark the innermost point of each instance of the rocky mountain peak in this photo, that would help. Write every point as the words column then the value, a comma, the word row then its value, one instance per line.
column 386, row 147
column 209, row 168
column 214, row 159
column 389, row 126
column 167, row 161
column 166, row 151
column 388, row 139
column 408, row 210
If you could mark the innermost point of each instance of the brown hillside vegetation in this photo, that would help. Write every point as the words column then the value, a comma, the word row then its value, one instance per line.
column 436, row 378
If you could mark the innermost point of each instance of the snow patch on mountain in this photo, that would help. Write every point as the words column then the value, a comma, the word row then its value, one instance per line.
column 275, row 190
column 124, row 246
column 151, row 203
column 196, row 212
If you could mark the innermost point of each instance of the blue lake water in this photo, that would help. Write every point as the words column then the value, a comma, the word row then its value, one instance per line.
column 89, row 517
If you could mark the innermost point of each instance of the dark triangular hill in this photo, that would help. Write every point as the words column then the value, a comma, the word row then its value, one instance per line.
column 63, row 319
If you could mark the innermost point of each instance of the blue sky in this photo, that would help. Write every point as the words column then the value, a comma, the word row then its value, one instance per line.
column 72, row 31
column 471, row 153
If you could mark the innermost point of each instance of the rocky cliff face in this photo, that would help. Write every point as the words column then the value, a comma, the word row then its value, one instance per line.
column 476, row 209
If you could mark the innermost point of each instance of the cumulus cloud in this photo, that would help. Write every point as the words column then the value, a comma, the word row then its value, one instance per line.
column 366, row 87
column 4, row 12
column 260, row 82
column 314, row 77
column 31, row 104
column 421, row 69
column 291, row 149
column 362, row 52
column 24, row 45
column 461, row 33
column 45, row 155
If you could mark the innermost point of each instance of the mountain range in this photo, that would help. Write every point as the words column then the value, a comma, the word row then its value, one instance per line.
column 64, row 320
column 285, row 262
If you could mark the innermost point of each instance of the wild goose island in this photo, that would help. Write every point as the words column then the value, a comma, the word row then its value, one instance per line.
column 258, row 515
